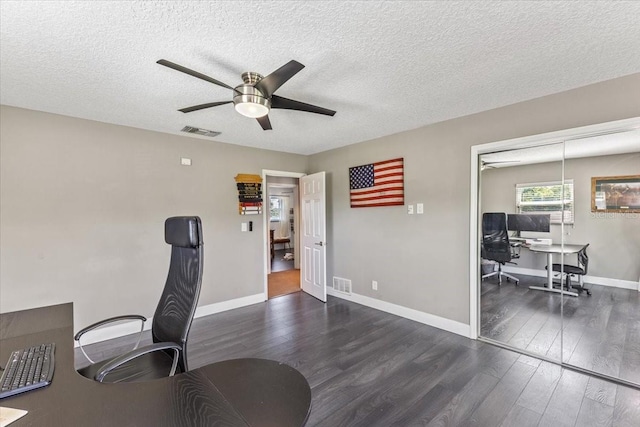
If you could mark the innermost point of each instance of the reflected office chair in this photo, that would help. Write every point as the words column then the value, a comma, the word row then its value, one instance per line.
column 495, row 244
column 570, row 271
column 172, row 319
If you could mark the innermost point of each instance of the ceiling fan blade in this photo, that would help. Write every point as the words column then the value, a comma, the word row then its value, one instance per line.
column 290, row 104
column 265, row 122
column 273, row 81
column 203, row 106
column 192, row 73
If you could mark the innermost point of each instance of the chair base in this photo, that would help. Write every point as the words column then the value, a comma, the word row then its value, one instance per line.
column 501, row 273
column 578, row 288
column 555, row 290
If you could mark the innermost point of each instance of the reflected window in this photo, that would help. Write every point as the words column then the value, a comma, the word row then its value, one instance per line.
column 546, row 198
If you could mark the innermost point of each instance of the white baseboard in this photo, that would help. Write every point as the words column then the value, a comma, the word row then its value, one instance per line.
column 408, row 313
column 603, row 281
column 113, row 331
column 117, row 331
column 219, row 307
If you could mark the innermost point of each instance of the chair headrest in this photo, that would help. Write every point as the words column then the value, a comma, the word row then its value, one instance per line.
column 183, row 231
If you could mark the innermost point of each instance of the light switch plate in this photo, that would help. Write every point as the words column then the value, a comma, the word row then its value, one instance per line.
column 243, row 227
column 185, row 161
column 410, row 209
column 420, row 208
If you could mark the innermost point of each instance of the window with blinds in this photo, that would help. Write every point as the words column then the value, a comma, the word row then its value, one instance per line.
column 546, row 198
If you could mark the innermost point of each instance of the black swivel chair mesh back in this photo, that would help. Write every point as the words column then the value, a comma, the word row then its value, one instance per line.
column 495, row 238
column 172, row 318
column 495, row 243
column 572, row 270
column 177, row 305
column 583, row 258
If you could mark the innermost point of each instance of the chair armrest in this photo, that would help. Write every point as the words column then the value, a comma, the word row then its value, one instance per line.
column 127, row 357
column 107, row 321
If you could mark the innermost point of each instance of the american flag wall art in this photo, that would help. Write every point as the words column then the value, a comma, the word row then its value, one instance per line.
column 377, row 184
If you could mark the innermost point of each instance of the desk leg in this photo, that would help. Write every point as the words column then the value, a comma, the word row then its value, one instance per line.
column 549, row 287
column 550, row 270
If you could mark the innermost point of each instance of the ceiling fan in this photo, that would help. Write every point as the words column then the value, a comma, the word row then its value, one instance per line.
column 255, row 97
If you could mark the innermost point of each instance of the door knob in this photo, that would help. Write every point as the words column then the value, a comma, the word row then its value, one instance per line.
column 319, row 243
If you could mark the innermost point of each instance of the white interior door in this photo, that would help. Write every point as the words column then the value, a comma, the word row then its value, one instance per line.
column 313, row 270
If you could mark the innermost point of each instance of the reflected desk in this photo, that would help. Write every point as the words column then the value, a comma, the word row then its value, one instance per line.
column 240, row 392
column 550, row 250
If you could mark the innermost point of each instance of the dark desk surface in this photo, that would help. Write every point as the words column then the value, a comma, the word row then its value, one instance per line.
column 240, row 392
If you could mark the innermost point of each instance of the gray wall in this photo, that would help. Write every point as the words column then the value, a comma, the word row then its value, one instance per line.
column 422, row 261
column 83, row 206
column 614, row 250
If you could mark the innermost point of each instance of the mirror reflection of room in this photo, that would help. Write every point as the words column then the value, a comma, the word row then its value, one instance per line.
column 572, row 295
column 520, row 206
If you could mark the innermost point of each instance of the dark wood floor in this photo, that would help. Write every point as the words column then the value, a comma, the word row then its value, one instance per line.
column 369, row 368
column 600, row 332
column 280, row 264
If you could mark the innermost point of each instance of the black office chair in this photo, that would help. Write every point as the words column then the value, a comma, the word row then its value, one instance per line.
column 570, row 271
column 172, row 319
column 495, row 244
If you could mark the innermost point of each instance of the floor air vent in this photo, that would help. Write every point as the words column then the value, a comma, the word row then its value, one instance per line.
column 342, row 285
column 200, row 131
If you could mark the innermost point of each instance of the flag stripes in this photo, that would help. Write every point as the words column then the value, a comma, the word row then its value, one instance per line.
column 377, row 184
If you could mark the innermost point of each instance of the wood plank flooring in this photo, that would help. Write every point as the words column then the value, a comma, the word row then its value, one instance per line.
column 600, row 332
column 278, row 263
column 283, row 283
column 370, row 368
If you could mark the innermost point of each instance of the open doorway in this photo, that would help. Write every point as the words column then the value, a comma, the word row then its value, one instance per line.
column 284, row 275
column 282, row 225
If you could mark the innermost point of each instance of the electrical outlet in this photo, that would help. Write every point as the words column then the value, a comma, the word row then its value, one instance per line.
column 184, row 161
column 420, row 208
column 243, row 226
column 374, row 285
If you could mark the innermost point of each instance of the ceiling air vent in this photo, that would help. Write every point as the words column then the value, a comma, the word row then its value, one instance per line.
column 199, row 131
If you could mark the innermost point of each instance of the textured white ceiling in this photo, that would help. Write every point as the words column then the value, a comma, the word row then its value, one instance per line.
column 384, row 67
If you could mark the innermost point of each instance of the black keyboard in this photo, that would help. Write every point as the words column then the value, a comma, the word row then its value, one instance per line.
column 28, row 369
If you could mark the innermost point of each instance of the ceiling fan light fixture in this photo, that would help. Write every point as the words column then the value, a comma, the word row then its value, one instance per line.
column 252, row 109
column 250, row 103
column 255, row 97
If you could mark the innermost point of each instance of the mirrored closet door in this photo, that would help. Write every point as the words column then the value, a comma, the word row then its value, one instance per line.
column 565, row 286
column 602, row 331
column 520, row 209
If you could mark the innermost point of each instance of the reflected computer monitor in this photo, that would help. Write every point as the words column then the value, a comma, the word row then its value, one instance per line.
column 528, row 222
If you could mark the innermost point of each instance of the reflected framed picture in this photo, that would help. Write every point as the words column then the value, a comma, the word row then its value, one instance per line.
column 615, row 193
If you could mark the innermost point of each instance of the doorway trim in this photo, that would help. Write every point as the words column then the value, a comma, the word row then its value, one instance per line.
column 509, row 144
column 265, row 225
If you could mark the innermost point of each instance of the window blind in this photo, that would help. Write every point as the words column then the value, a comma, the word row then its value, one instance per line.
column 547, row 198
